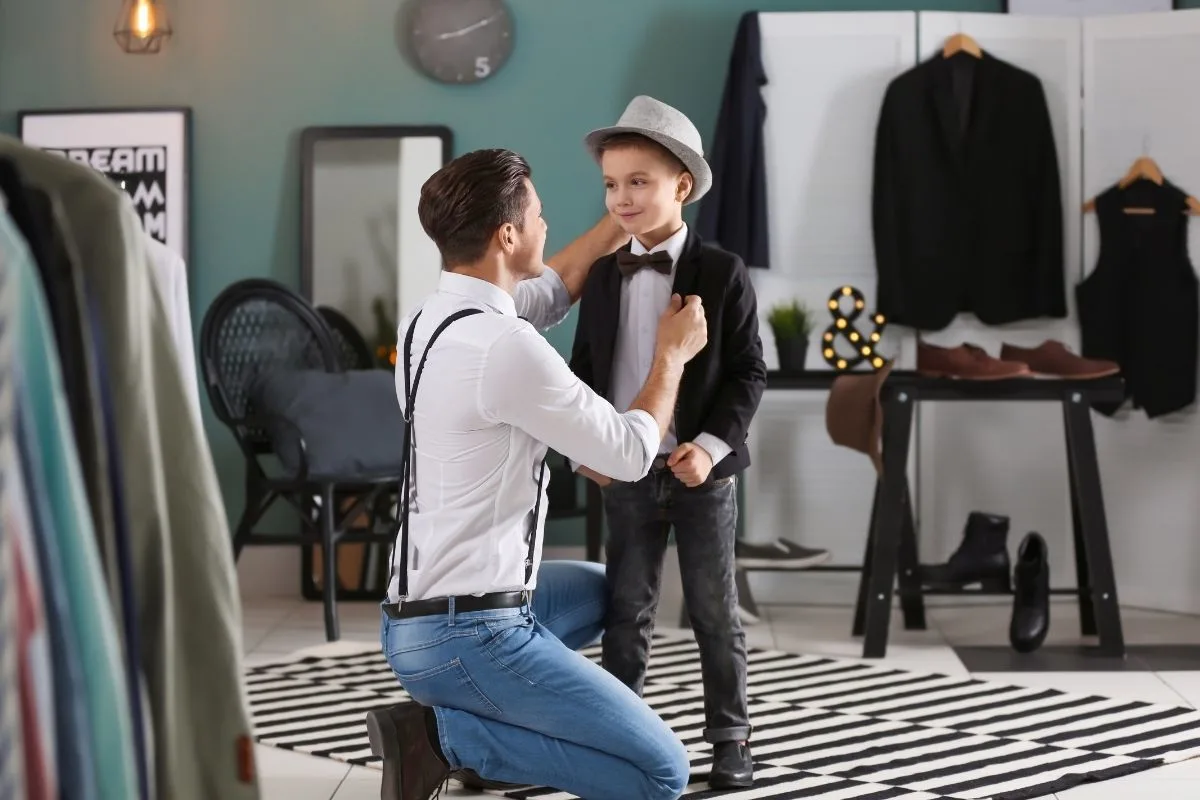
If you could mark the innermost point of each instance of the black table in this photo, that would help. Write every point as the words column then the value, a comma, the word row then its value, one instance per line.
column 891, row 550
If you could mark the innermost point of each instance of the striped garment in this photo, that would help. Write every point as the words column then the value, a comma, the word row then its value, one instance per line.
column 823, row 728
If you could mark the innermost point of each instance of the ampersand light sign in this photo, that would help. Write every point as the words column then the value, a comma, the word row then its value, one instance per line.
column 862, row 344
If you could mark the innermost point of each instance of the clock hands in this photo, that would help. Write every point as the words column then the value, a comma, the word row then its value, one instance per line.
column 469, row 28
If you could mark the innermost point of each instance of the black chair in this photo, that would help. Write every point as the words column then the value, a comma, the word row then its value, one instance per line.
column 253, row 327
column 353, row 350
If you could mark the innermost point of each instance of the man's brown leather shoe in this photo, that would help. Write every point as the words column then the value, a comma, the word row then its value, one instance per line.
column 413, row 768
column 470, row 779
column 1054, row 358
column 965, row 361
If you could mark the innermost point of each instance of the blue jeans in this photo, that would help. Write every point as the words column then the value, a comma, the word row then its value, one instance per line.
column 516, row 703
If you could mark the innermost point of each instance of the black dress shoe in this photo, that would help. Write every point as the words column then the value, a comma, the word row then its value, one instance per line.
column 1031, row 597
column 413, row 767
column 732, row 766
column 981, row 557
column 470, row 779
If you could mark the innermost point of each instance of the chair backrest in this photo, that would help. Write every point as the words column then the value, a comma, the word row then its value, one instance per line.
column 252, row 327
column 353, row 350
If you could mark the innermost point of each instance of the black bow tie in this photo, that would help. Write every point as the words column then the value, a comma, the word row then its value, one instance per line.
column 628, row 263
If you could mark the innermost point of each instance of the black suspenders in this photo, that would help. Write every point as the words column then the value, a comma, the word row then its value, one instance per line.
column 410, row 394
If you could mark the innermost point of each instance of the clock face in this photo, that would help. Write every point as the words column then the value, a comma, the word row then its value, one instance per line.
column 460, row 41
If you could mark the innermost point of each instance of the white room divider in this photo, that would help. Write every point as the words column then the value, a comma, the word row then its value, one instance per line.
column 1140, row 96
column 1112, row 84
column 828, row 73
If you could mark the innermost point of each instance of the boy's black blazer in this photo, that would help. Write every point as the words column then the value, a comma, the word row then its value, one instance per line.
column 723, row 384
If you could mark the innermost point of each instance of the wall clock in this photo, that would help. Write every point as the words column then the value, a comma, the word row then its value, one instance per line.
column 460, row 41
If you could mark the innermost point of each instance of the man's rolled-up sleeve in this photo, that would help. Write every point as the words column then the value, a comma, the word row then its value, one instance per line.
column 527, row 384
column 544, row 301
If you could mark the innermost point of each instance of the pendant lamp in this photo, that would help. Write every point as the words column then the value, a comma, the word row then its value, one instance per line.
column 142, row 26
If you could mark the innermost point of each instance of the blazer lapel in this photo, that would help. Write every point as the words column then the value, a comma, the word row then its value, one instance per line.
column 946, row 108
column 605, row 332
column 687, row 268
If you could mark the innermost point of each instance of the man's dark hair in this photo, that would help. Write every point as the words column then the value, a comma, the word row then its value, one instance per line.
column 464, row 202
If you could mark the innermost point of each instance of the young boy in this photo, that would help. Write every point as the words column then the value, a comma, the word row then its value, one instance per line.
column 653, row 165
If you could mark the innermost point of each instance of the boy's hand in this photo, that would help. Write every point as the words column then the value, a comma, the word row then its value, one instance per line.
column 600, row 480
column 691, row 464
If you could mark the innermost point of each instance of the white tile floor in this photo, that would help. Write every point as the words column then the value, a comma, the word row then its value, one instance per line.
column 275, row 627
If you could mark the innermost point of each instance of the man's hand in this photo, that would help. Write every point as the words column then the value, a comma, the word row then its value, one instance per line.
column 596, row 477
column 691, row 464
column 682, row 329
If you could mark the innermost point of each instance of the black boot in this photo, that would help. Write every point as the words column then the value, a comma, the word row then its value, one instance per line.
column 981, row 558
column 732, row 766
column 1031, row 598
column 404, row 737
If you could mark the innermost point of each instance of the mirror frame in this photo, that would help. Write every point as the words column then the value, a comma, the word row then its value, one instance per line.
column 309, row 137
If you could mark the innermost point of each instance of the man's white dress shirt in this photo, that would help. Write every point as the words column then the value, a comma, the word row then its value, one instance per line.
column 493, row 396
column 645, row 295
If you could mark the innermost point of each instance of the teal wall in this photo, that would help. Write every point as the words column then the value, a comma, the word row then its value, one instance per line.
column 257, row 71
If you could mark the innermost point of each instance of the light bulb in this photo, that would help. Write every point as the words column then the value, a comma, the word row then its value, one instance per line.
column 143, row 19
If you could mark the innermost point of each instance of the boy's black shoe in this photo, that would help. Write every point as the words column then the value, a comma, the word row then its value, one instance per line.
column 732, row 766
column 413, row 766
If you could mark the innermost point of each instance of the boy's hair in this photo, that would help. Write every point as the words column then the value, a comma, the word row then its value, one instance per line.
column 464, row 202
column 619, row 140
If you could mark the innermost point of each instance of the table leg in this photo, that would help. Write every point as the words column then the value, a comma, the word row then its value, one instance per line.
column 912, row 602
column 889, row 521
column 1087, row 609
column 860, row 605
column 1093, row 526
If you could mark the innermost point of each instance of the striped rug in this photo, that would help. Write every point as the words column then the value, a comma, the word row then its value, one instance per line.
column 823, row 728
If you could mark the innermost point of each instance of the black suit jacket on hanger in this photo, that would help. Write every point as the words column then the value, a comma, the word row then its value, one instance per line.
column 734, row 213
column 722, row 386
column 967, row 206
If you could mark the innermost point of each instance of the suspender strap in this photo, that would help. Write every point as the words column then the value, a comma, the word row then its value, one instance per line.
column 410, row 395
column 533, row 526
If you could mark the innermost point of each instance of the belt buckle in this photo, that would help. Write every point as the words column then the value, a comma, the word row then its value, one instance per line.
column 526, row 597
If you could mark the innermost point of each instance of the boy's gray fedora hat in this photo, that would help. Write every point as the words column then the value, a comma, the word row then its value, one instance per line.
column 667, row 126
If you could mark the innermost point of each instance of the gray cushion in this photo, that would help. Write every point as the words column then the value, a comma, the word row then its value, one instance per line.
column 350, row 421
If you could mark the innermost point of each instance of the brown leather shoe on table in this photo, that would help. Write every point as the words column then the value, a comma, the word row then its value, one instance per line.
column 966, row 361
column 413, row 768
column 1055, row 358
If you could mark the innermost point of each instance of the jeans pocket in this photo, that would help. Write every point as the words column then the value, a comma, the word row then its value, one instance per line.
column 447, row 685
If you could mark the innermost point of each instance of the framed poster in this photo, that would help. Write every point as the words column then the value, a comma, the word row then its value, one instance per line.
column 147, row 151
column 1086, row 8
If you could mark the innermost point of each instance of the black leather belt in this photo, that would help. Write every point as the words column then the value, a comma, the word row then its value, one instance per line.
column 462, row 604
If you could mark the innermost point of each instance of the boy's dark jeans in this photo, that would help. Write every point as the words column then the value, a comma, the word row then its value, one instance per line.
column 640, row 516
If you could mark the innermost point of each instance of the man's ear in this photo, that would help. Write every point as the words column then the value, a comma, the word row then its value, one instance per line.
column 506, row 237
column 684, row 187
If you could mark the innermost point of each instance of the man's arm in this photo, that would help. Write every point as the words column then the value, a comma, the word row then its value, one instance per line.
column 546, row 300
column 574, row 262
column 529, row 385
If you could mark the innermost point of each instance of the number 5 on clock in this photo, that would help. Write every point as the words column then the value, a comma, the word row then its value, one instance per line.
column 483, row 67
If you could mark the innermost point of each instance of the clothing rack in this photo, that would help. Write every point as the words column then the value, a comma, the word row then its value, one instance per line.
column 121, row 671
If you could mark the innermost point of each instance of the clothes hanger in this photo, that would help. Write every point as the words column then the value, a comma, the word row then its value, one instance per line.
column 1144, row 168
column 961, row 43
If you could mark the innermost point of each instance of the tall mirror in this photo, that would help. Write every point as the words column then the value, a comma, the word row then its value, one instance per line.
column 365, row 259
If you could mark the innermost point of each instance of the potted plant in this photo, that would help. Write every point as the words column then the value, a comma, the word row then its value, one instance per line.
column 792, row 323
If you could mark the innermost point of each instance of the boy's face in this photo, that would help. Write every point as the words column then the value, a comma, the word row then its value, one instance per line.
column 643, row 189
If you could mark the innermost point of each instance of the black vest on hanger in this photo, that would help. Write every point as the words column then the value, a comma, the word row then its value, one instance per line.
column 1139, row 306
